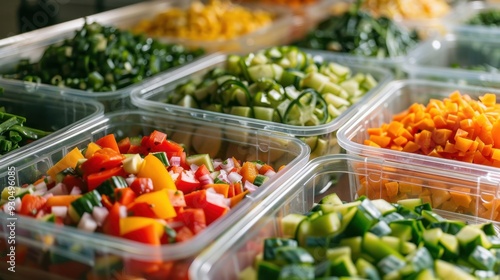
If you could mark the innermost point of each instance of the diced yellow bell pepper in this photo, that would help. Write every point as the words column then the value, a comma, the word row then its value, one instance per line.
column 159, row 202
column 128, row 224
column 153, row 168
column 91, row 149
column 69, row 160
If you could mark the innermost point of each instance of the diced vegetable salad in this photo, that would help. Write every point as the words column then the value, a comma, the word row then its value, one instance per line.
column 142, row 189
column 215, row 20
column 14, row 134
column 279, row 84
column 360, row 33
column 101, row 59
column 374, row 239
column 457, row 127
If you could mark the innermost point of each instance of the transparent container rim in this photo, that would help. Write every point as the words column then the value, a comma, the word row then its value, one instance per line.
column 178, row 250
column 344, row 134
column 139, row 99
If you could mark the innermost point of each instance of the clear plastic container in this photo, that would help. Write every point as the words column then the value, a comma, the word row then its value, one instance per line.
column 154, row 95
column 32, row 45
column 238, row 247
column 457, row 21
column 47, row 112
column 53, row 248
column 396, row 97
column 439, row 59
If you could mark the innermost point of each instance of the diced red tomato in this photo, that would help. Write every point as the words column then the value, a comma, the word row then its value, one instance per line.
column 201, row 171
column 31, row 205
column 183, row 234
column 142, row 185
column 160, row 272
column 71, row 181
column 194, row 219
column 156, row 138
column 124, row 145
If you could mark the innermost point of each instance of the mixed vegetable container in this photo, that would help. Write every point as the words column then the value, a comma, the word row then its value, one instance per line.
column 131, row 148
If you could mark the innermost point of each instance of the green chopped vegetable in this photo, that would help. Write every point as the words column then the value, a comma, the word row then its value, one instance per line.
column 490, row 17
column 102, row 58
column 359, row 33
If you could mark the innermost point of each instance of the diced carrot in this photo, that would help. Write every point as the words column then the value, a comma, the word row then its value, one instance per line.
column 394, row 129
column 219, row 188
column 237, row 198
column 462, row 144
column 249, row 171
column 495, row 154
column 61, row 200
column 400, row 141
column 368, row 142
column 440, row 136
column 495, row 133
column 374, row 131
column 392, row 188
column 411, row 147
column 488, row 99
column 382, row 141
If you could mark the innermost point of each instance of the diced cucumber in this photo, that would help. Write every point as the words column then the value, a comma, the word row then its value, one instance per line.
column 162, row 156
column 383, row 206
column 381, row 228
column 468, row 237
column 390, row 263
column 410, row 203
column 391, row 241
column 267, row 270
column 450, row 245
column 334, row 253
column 433, row 236
column 297, row 272
column 376, row 248
column 290, row 224
column 243, row 111
column 482, row 258
column 188, row 101
column 320, row 149
column 84, row 204
column 407, row 248
column 108, row 187
column 446, row 270
column 332, row 198
column 342, row 266
column 51, row 218
column 260, row 180
column 292, row 255
column 17, row 191
column 325, row 224
column 201, row 159
column 360, row 223
column 366, row 269
column 266, row 114
column 270, row 244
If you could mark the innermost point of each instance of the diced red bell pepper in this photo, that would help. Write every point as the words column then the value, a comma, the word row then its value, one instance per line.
column 156, row 138
column 169, row 147
column 106, row 202
column 186, row 182
column 31, row 205
column 95, row 179
column 160, row 272
column 201, row 171
column 124, row 145
column 125, row 196
column 139, row 267
column 108, row 141
column 141, row 209
column 102, row 159
column 198, row 199
column 213, row 212
column 142, row 185
column 194, row 219
column 147, row 235
column 111, row 225
column 137, row 149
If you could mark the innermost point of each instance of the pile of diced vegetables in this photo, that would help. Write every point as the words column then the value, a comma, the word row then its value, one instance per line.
column 374, row 239
column 144, row 189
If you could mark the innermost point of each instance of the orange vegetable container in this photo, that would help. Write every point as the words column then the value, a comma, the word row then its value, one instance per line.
column 430, row 124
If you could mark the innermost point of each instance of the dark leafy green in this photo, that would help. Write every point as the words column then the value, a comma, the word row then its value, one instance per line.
column 102, row 58
column 486, row 18
column 357, row 32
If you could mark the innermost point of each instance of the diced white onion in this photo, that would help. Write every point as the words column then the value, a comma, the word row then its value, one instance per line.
column 40, row 186
column 217, row 163
column 47, row 195
column 17, row 204
column 258, row 165
column 234, row 177
column 123, row 211
column 223, row 176
column 59, row 211
column 175, row 161
column 75, row 191
column 39, row 193
column 129, row 180
column 194, row 167
column 58, row 189
column 99, row 214
column 174, row 175
column 206, row 179
column 270, row 173
column 228, row 165
column 87, row 223
column 216, row 198
column 249, row 186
